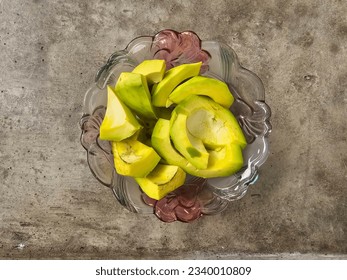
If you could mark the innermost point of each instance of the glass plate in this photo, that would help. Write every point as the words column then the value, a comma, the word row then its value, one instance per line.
column 198, row 196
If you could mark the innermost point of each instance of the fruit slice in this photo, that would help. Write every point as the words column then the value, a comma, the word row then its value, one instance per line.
column 162, row 173
column 199, row 85
column 222, row 162
column 161, row 142
column 132, row 89
column 191, row 147
column 119, row 122
column 173, row 77
column 133, row 158
column 215, row 125
column 162, row 180
column 153, row 70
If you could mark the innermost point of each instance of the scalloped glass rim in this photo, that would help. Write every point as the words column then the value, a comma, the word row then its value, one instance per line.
column 249, row 107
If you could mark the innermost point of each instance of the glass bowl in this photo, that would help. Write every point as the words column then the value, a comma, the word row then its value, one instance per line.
column 198, row 196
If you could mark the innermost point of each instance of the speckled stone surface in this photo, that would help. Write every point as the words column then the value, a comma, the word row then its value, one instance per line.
column 52, row 207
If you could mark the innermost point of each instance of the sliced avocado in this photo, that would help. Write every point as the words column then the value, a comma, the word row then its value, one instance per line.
column 162, row 173
column 132, row 89
column 223, row 161
column 119, row 122
column 133, row 158
column 215, row 125
column 199, row 85
column 191, row 147
column 153, row 70
column 172, row 78
column 162, row 180
column 161, row 142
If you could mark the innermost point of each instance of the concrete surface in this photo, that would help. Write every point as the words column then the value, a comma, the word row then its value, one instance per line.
column 52, row 207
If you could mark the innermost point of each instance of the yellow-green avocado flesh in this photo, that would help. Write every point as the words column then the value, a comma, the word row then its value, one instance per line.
column 217, row 90
column 215, row 125
column 222, row 162
column 133, row 158
column 119, row 122
column 162, row 180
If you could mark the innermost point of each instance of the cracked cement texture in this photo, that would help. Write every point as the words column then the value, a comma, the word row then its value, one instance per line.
column 51, row 206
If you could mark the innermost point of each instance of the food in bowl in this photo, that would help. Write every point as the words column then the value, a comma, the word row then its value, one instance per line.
column 205, row 191
column 185, row 109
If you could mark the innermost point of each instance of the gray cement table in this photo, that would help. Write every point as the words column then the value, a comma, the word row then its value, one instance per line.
column 52, row 207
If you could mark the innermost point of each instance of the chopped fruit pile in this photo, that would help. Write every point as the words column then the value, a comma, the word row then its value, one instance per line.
column 165, row 124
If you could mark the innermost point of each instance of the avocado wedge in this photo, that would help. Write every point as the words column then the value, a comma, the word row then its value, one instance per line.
column 153, row 70
column 119, row 122
column 172, row 78
column 191, row 147
column 133, row 158
column 162, row 180
column 132, row 89
column 215, row 125
column 217, row 90
column 223, row 161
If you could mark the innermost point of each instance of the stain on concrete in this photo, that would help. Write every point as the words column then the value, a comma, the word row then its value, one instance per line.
column 5, row 174
column 301, row 10
column 20, row 236
column 334, row 48
column 342, row 30
column 305, row 40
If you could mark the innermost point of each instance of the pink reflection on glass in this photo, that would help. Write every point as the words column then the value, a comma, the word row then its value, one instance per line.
column 179, row 48
column 90, row 126
column 182, row 204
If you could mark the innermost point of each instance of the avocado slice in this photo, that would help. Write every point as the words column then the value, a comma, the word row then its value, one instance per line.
column 172, row 78
column 162, row 173
column 223, row 161
column 119, row 122
column 191, row 147
column 215, row 125
column 132, row 89
column 199, row 85
column 153, row 70
column 133, row 158
column 162, row 180
column 161, row 142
